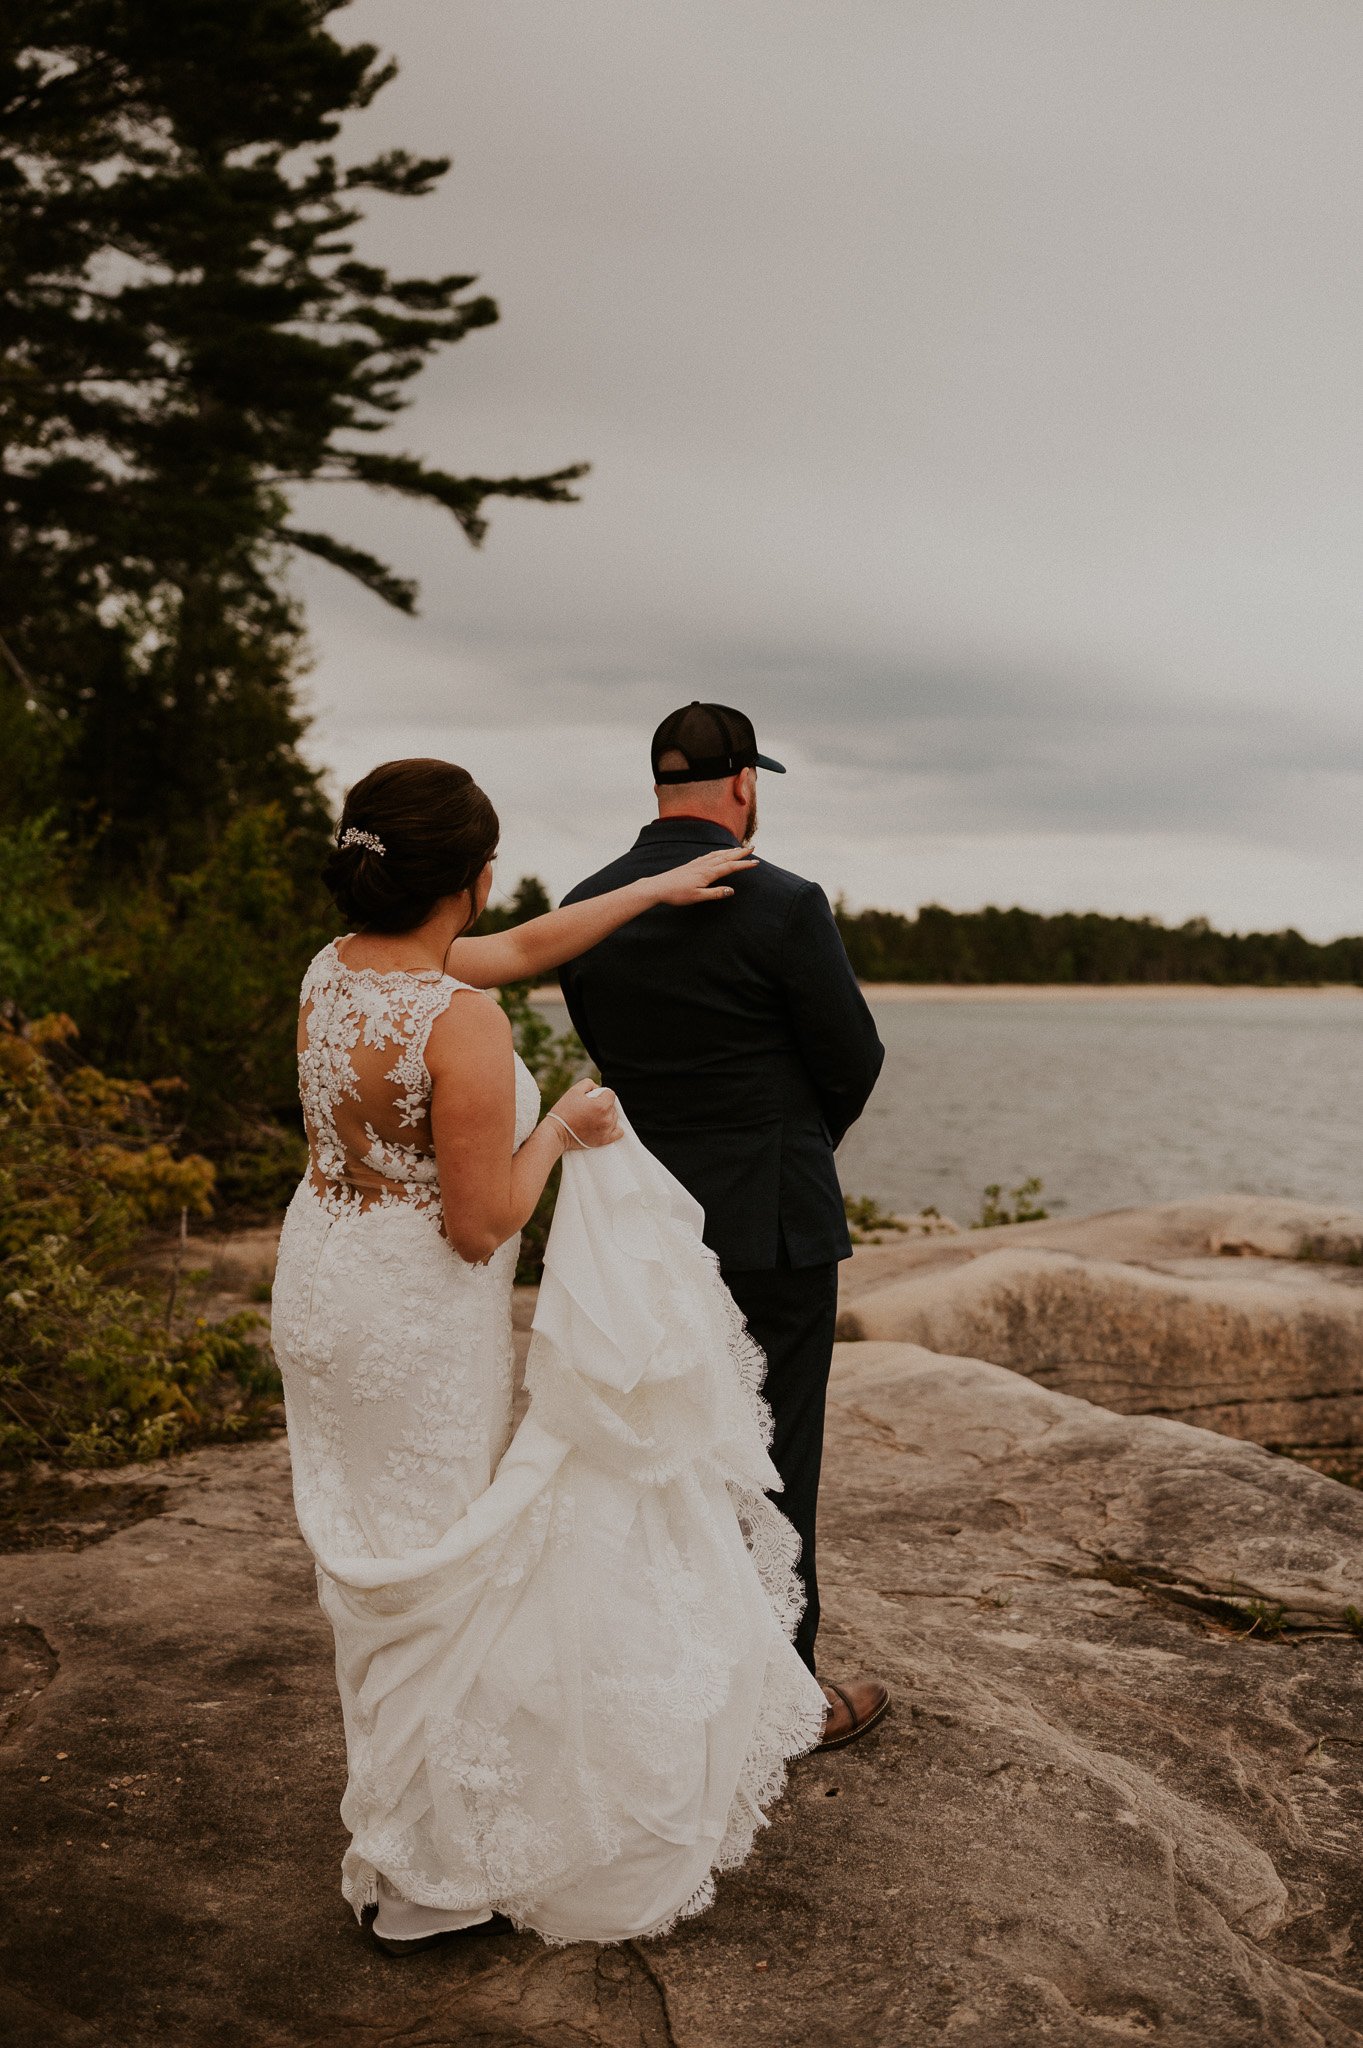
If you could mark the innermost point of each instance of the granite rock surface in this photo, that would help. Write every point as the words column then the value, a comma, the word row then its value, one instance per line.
column 1235, row 1314
column 1119, row 1797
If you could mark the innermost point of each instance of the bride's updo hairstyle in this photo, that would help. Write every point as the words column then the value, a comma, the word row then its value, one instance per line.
column 411, row 832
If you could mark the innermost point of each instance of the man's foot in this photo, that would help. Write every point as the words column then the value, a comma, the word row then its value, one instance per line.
column 853, row 1709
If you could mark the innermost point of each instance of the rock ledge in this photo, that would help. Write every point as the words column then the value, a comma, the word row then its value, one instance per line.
column 1120, row 1796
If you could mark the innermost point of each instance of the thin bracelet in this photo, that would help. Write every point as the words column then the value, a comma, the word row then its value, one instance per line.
column 549, row 1114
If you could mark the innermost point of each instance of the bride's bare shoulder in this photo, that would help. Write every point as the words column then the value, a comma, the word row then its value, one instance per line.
column 472, row 1027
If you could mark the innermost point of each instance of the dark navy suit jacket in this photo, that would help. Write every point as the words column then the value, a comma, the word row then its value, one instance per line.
column 738, row 1042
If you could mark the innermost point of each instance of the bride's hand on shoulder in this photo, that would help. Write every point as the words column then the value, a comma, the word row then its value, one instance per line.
column 704, row 880
column 590, row 1113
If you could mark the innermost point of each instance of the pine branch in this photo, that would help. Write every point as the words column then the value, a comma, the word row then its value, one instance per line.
column 375, row 575
column 461, row 495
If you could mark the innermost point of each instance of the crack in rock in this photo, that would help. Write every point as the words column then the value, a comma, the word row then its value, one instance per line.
column 1232, row 1605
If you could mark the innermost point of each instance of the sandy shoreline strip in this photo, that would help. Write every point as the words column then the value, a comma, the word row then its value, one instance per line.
column 1092, row 992
column 1071, row 992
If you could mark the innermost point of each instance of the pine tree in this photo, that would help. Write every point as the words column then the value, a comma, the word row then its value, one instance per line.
column 187, row 335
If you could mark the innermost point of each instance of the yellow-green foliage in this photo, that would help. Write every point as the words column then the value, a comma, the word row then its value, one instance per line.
column 93, row 1368
column 194, row 974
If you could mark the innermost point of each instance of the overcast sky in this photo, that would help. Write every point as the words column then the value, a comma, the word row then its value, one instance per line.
column 975, row 396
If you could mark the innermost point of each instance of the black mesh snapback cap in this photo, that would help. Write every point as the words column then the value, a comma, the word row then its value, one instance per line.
column 716, row 741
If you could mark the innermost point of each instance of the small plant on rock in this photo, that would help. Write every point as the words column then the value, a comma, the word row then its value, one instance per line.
column 865, row 1217
column 1265, row 1617
column 1026, row 1208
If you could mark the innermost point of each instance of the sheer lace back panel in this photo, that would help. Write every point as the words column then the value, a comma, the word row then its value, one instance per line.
column 365, row 1085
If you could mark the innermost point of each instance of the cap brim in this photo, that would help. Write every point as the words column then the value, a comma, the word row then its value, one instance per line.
column 765, row 761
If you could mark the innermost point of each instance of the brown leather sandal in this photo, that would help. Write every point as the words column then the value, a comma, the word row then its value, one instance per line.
column 862, row 1714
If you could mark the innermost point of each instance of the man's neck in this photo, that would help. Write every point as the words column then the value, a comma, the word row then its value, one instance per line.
column 731, row 831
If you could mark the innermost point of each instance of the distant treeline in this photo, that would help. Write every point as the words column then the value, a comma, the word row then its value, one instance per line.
column 1024, row 946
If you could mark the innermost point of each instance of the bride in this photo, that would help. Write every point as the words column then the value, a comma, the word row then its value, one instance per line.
column 563, row 1655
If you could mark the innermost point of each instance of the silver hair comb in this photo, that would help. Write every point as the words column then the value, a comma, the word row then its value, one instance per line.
column 353, row 836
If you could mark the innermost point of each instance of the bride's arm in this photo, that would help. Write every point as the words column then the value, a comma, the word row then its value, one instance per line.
column 488, row 1190
column 529, row 951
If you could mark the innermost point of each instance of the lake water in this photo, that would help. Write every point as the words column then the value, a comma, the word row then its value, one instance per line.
column 1112, row 1100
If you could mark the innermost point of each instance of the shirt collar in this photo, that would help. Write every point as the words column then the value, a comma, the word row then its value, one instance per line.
column 686, row 831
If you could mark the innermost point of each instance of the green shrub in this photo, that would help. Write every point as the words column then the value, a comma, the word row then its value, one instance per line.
column 556, row 1059
column 1025, row 1206
column 95, row 1368
column 50, row 959
column 866, row 1218
column 194, row 974
column 208, row 968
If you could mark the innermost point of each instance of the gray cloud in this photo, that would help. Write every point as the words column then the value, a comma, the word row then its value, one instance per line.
column 973, row 394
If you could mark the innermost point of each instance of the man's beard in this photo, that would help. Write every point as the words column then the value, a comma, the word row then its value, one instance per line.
column 750, row 829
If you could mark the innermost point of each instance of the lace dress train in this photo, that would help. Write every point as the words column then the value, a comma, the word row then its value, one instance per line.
column 563, row 1655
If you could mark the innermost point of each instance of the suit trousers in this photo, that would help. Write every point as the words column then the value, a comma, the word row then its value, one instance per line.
column 791, row 1311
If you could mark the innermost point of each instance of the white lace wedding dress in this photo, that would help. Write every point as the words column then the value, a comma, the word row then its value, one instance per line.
column 563, row 1655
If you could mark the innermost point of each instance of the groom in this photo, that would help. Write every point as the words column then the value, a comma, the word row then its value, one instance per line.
column 742, row 1051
